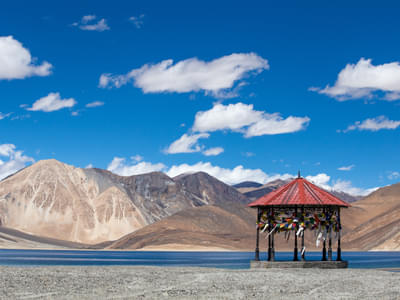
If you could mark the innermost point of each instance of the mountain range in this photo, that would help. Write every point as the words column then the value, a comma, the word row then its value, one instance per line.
column 51, row 204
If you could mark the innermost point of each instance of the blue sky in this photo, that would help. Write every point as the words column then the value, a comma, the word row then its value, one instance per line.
column 267, row 88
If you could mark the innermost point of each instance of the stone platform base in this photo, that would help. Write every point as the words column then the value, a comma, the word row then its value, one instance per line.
column 262, row 264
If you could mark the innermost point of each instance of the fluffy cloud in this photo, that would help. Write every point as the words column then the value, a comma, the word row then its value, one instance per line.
column 241, row 117
column 16, row 61
column 52, row 102
column 323, row 180
column 363, row 79
column 89, row 23
column 374, row 124
column 213, row 151
column 229, row 176
column 346, row 168
column 120, row 167
column 94, row 104
column 15, row 160
column 347, row 187
column 190, row 75
column 137, row 21
column 186, row 144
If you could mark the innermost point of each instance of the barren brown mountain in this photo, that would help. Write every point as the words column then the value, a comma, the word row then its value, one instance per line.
column 55, row 200
column 253, row 192
column 374, row 221
column 206, row 227
column 371, row 223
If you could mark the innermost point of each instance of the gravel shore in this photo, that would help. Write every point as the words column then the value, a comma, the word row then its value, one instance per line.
column 195, row 283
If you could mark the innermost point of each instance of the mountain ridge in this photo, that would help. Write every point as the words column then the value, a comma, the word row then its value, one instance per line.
column 51, row 200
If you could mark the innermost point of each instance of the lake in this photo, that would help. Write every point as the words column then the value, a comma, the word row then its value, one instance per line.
column 229, row 260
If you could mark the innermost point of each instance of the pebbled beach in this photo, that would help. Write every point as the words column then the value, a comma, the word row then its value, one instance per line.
column 61, row 282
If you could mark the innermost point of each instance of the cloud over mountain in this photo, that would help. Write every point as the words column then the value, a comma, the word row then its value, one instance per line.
column 12, row 160
column 119, row 166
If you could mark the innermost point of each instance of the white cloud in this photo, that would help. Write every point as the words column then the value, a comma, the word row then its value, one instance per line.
column 274, row 124
column 233, row 117
column 229, row 176
column 88, row 23
column 120, row 167
column 363, row 79
column 89, row 166
column 16, row 160
column 243, row 118
column 374, row 124
column 3, row 116
column 186, row 144
column 16, row 61
column 137, row 21
column 394, row 175
column 346, row 186
column 213, row 151
column 190, row 75
column 94, row 104
column 346, row 168
column 52, row 102
column 323, row 180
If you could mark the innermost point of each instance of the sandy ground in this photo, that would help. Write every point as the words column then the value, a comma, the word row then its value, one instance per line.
column 194, row 283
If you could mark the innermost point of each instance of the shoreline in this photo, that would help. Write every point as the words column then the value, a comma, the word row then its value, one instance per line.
column 178, row 249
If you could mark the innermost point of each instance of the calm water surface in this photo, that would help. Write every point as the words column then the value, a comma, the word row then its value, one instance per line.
column 231, row 260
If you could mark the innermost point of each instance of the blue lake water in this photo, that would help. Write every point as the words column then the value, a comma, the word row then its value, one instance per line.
column 231, row 260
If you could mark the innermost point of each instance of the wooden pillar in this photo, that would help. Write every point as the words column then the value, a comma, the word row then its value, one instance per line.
column 329, row 243
column 257, row 254
column 269, row 236
column 339, row 250
column 273, row 241
column 329, row 233
column 295, row 250
column 324, row 246
column 303, row 252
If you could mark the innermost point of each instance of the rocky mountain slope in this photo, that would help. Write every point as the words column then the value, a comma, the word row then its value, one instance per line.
column 50, row 203
column 55, row 200
column 207, row 227
column 375, row 221
column 371, row 223
column 256, row 192
column 247, row 184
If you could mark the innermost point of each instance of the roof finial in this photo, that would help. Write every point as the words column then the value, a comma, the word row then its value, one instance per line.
column 298, row 174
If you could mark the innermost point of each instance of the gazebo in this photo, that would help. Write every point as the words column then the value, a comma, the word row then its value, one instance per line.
column 294, row 208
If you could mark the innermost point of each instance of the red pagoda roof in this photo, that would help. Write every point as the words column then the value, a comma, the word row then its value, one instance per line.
column 298, row 192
